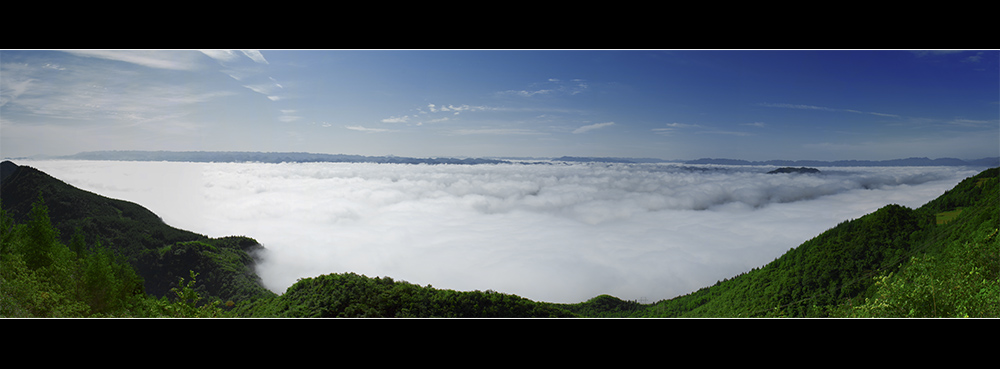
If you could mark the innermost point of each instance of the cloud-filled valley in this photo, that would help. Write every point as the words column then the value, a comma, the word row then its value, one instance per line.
column 560, row 233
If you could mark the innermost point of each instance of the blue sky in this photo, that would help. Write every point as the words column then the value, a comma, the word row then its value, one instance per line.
column 668, row 104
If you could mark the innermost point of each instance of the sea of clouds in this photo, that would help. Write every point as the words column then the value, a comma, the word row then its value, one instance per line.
column 558, row 233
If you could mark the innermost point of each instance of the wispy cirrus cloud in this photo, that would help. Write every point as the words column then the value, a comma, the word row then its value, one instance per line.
column 368, row 130
column 552, row 86
column 15, row 82
column 973, row 123
column 234, row 55
column 495, row 131
column 402, row 119
column 254, row 55
column 592, row 127
column 83, row 92
column 526, row 93
column 435, row 113
column 174, row 60
column 724, row 132
column 250, row 73
column 458, row 108
column 110, row 96
column 823, row 108
column 270, row 90
column 670, row 128
column 289, row 115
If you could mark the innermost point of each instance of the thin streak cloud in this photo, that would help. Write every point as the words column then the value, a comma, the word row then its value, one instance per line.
column 147, row 58
column 495, row 131
column 402, row 119
column 551, row 87
column 366, row 129
column 592, row 127
column 813, row 107
column 255, row 55
column 225, row 56
column 974, row 123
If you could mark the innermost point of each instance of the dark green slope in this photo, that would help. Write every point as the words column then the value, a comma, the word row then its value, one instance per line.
column 124, row 226
column 349, row 295
column 605, row 306
column 857, row 268
column 159, row 253
column 162, row 255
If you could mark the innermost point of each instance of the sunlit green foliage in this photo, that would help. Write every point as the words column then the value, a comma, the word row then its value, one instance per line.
column 225, row 263
column 351, row 295
column 895, row 262
column 605, row 306
column 958, row 274
column 187, row 303
column 945, row 217
column 961, row 283
column 40, row 277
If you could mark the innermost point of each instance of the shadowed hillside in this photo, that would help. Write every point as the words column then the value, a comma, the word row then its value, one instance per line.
column 52, row 232
column 159, row 253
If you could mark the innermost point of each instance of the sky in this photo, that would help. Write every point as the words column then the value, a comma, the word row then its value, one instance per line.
column 666, row 104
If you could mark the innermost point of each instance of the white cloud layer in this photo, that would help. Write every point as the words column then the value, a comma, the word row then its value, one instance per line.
column 558, row 233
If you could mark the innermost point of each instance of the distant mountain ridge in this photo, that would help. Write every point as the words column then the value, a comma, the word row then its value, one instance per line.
column 264, row 157
column 794, row 170
column 305, row 157
column 914, row 161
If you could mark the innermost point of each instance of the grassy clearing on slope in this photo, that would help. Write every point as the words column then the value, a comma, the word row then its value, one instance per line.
column 945, row 217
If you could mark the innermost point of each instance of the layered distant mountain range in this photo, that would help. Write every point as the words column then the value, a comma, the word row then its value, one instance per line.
column 303, row 157
column 916, row 162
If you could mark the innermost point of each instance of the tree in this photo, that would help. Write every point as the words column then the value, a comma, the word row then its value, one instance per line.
column 77, row 243
column 41, row 236
column 186, row 304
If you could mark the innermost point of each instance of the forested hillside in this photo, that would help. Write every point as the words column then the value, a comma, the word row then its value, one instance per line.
column 940, row 260
column 42, row 277
column 349, row 295
column 65, row 252
column 159, row 254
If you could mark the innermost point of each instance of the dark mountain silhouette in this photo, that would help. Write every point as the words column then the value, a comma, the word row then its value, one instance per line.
column 6, row 168
column 794, row 170
column 159, row 253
